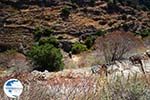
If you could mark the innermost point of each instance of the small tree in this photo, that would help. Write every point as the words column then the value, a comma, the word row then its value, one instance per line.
column 46, row 57
column 89, row 41
column 65, row 12
column 114, row 46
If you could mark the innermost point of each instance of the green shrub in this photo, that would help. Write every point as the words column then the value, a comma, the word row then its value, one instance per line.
column 78, row 48
column 46, row 57
column 100, row 33
column 47, row 32
column 144, row 33
column 50, row 40
column 65, row 12
column 37, row 33
column 89, row 41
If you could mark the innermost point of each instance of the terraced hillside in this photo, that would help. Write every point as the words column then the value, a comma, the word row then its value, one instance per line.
column 76, row 49
column 82, row 20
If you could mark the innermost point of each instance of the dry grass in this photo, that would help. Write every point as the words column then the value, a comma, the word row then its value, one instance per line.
column 92, row 88
column 84, row 59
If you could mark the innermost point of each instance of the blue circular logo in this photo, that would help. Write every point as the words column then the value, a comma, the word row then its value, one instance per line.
column 13, row 88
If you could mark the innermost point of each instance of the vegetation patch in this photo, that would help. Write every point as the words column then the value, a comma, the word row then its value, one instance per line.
column 39, row 32
column 100, row 32
column 89, row 41
column 49, row 40
column 46, row 57
column 78, row 48
column 144, row 33
column 65, row 12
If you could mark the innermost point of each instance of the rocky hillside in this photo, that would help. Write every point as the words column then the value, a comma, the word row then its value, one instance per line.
column 20, row 18
column 99, row 44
